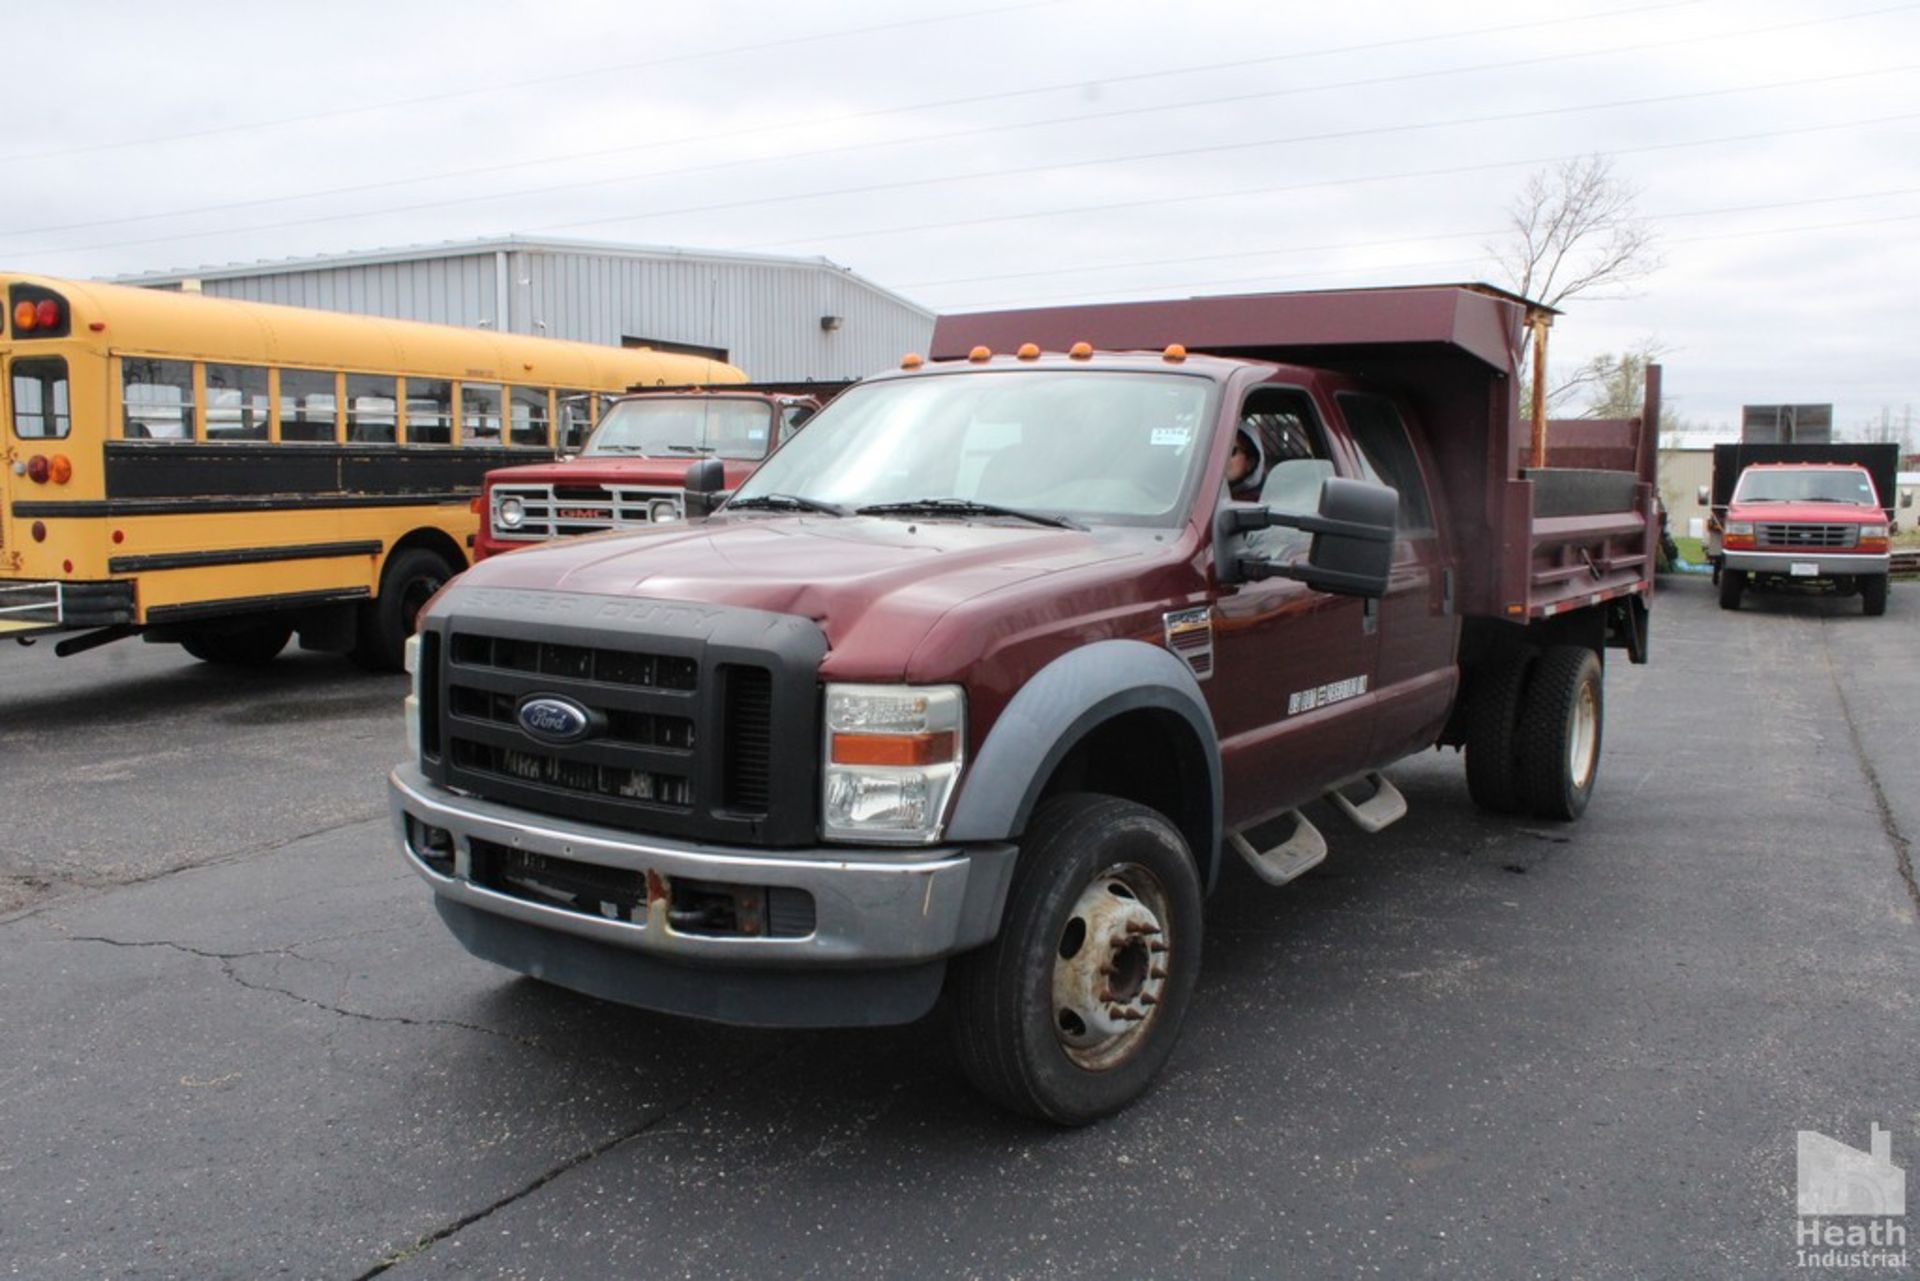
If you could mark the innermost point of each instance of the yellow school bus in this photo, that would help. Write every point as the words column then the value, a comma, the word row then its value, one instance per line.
column 226, row 474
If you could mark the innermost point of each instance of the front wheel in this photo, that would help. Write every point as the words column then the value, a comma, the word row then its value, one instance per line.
column 1733, row 582
column 1559, row 732
column 1075, row 1006
column 406, row 585
column 1873, row 595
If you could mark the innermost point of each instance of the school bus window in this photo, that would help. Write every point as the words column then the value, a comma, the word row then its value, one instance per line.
column 40, row 399
column 373, row 408
column 429, row 411
column 479, row 414
column 156, row 397
column 529, row 408
column 576, row 419
column 307, row 405
column 236, row 402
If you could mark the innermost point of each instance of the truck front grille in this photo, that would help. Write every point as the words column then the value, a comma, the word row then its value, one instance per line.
column 685, row 735
column 561, row 511
column 1808, row 535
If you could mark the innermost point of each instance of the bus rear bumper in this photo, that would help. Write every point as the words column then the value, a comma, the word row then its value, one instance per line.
column 28, row 608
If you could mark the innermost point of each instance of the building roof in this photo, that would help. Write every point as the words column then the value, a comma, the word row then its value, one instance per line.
column 508, row 244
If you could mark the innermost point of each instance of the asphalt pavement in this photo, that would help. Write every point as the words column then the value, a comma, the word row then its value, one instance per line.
column 235, row 1041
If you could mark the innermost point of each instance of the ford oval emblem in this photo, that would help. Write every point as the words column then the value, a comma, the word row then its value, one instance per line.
column 554, row 719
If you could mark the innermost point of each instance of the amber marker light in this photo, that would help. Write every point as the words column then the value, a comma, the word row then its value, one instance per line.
column 912, row 360
column 1081, row 351
column 61, row 468
column 894, row 749
column 24, row 317
column 1174, row 353
column 979, row 355
column 1029, row 351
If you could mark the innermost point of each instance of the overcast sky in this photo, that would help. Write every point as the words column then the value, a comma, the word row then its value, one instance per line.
column 994, row 153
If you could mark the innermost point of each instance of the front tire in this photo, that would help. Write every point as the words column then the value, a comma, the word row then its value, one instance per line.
column 1873, row 595
column 1559, row 732
column 1732, row 583
column 1073, row 1009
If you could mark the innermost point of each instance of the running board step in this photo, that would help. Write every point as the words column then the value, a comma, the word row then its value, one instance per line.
column 1301, row 852
column 1386, row 805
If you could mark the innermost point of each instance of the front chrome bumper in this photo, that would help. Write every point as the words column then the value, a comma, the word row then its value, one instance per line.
column 1827, row 564
column 873, row 907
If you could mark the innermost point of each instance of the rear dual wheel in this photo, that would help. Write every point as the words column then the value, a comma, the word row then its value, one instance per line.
column 1073, row 1009
column 1533, row 726
column 253, row 645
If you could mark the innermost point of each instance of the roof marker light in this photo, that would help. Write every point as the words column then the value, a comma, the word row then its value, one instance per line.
column 980, row 355
column 1081, row 351
column 1175, row 353
column 912, row 360
column 1029, row 351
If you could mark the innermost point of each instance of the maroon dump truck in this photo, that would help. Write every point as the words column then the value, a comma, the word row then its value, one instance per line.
column 633, row 468
column 1816, row 517
column 976, row 683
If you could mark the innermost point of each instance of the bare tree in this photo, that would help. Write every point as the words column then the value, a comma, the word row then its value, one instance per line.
column 1574, row 233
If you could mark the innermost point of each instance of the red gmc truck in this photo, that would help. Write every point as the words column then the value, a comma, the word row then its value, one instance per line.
column 976, row 683
column 632, row 471
column 1803, row 516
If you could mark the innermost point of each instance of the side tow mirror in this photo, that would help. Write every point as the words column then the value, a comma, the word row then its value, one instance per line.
column 704, row 488
column 1352, row 550
column 1703, row 496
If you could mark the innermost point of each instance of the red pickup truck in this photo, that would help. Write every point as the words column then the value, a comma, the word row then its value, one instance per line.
column 975, row 684
column 633, row 468
column 1803, row 516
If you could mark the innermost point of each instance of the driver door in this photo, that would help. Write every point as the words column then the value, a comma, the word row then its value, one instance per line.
column 1291, row 664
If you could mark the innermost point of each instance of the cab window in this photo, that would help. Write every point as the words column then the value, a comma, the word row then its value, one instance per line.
column 40, row 399
column 1387, row 457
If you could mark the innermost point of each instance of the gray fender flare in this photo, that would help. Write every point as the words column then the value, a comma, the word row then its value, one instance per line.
column 1064, row 701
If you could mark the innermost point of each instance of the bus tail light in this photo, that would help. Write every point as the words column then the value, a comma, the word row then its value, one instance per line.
column 38, row 469
column 46, row 314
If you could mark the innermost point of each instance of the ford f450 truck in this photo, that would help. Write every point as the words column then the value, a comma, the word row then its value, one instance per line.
column 632, row 471
column 976, row 683
column 1813, row 516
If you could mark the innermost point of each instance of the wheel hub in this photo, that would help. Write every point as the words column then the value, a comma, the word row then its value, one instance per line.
column 1111, row 967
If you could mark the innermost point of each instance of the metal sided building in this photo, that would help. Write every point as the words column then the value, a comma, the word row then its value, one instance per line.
column 781, row 319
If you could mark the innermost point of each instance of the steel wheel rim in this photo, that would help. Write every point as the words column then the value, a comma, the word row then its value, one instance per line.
column 1584, row 742
column 1111, row 961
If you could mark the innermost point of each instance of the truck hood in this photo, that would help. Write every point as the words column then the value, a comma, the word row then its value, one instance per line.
column 662, row 473
column 1808, row 513
column 876, row 586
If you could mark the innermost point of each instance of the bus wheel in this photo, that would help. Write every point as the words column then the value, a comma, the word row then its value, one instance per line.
column 242, row 647
column 410, row 580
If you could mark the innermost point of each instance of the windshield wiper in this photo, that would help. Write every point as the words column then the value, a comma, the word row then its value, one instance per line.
column 787, row 502
column 690, row 449
column 964, row 507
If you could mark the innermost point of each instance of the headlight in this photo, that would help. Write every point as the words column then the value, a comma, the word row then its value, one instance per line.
column 893, row 756
column 662, row 510
column 1740, row 528
column 411, row 661
column 1873, row 531
column 511, row 513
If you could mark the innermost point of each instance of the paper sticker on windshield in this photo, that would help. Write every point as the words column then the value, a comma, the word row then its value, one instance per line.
column 1178, row 437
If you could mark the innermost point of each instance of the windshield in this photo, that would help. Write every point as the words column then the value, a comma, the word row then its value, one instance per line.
column 1841, row 485
column 1101, row 446
column 683, row 426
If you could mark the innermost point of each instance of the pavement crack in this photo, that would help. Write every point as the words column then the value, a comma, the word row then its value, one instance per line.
column 422, row 1244
column 1889, row 823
